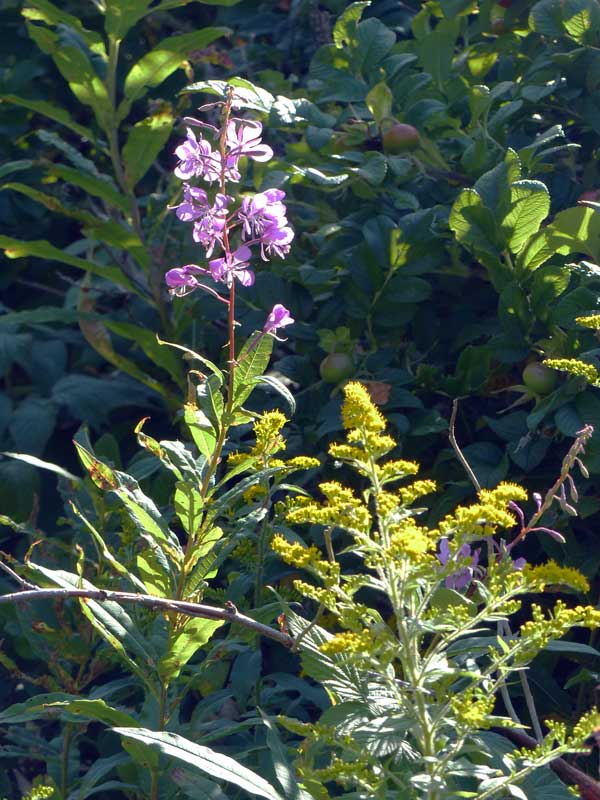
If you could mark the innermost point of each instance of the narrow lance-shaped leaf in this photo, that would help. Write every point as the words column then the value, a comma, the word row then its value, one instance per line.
column 156, row 66
column 252, row 361
column 217, row 765
column 145, row 141
column 17, row 248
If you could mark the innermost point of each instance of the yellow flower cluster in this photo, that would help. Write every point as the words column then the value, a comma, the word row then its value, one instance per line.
column 503, row 494
column 483, row 518
column 267, row 431
column 303, row 557
column 552, row 574
column 539, row 630
column 588, row 723
column 408, row 494
column 574, row 367
column 395, row 470
column 348, row 642
column 591, row 321
column 412, row 541
column 302, row 462
column 341, row 508
column 473, row 709
column 359, row 411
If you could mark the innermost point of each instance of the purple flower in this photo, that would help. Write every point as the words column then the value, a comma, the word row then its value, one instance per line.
column 182, row 280
column 462, row 577
column 196, row 158
column 276, row 240
column 195, row 203
column 261, row 210
column 208, row 230
column 245, row 140
column 233, row 265
column 278, row 318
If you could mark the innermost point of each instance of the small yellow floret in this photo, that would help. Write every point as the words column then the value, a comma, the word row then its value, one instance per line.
column 408, row 494
column 348, row 642
column 267, row 430
column 503, row 494
column 302, row 462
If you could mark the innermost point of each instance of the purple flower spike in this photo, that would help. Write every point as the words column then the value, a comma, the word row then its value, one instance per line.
column 264, row 221
column 182, row 280
column 462, row 577
column 233, row 265
column 278, row 318
column 208, row 230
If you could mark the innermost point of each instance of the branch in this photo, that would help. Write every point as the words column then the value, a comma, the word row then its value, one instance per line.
column 227, row 614
column 565, row 771
column 456, row 448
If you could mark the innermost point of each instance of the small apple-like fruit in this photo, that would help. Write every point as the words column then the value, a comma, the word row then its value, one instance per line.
column 398, row 137
column 336, row 367
column 539, row 378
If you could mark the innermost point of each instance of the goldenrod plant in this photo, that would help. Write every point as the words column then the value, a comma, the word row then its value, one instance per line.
column 409, row 638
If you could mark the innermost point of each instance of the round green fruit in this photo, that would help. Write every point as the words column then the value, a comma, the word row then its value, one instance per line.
column 336, row 367
column 400, row 138
column 539, row 378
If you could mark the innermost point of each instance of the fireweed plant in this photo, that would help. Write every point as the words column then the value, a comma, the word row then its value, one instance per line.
column 411, row 636
column 159, row 561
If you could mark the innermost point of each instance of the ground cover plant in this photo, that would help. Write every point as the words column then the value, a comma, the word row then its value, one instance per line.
column 435, row 259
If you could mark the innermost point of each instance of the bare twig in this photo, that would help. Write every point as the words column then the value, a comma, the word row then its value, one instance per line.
column 565, row 771
column 456, row 448
column 21, row 581
column 227, row 614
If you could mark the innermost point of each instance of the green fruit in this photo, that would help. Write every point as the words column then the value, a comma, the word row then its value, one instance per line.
column 400, row 138
column 336, row 367
column 539, row 378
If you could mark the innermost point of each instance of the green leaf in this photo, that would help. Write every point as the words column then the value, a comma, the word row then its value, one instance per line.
column 379, row 101
column 96, row 186
column 344, row 30
column 218, row 766
column 51, row 111
column 188, row 639
column 59, row 704
column 202, row 430
column 576, row 230
column 373, row 42
column 15, row 166
column 529, row 207
column 252, row 361
column 280, row 388
column 546, row 18
column 156, row 66
column 580, row 18
column 48, row 201
column 188, row 506
column 16, row 248
column 573, row 648
column 283, row 769
column 45, row 11
column 32, row 424
column 77, row 70
column 145, row 141
column 121, row 15
column 37, row 462
column 112, row 622
column 247, row 94
column 488, row 462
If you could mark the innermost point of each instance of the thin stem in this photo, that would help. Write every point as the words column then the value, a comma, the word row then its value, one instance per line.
column 456, row 448
column 64, row 760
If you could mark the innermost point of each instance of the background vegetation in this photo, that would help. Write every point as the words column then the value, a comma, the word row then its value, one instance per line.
column 430, row 270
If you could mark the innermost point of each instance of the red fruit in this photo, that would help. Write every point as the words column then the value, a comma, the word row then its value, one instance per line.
column 400, row 138
column 539, row 378
column 336, row 367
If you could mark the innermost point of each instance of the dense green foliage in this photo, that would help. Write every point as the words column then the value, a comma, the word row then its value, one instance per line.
column 444, row 259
